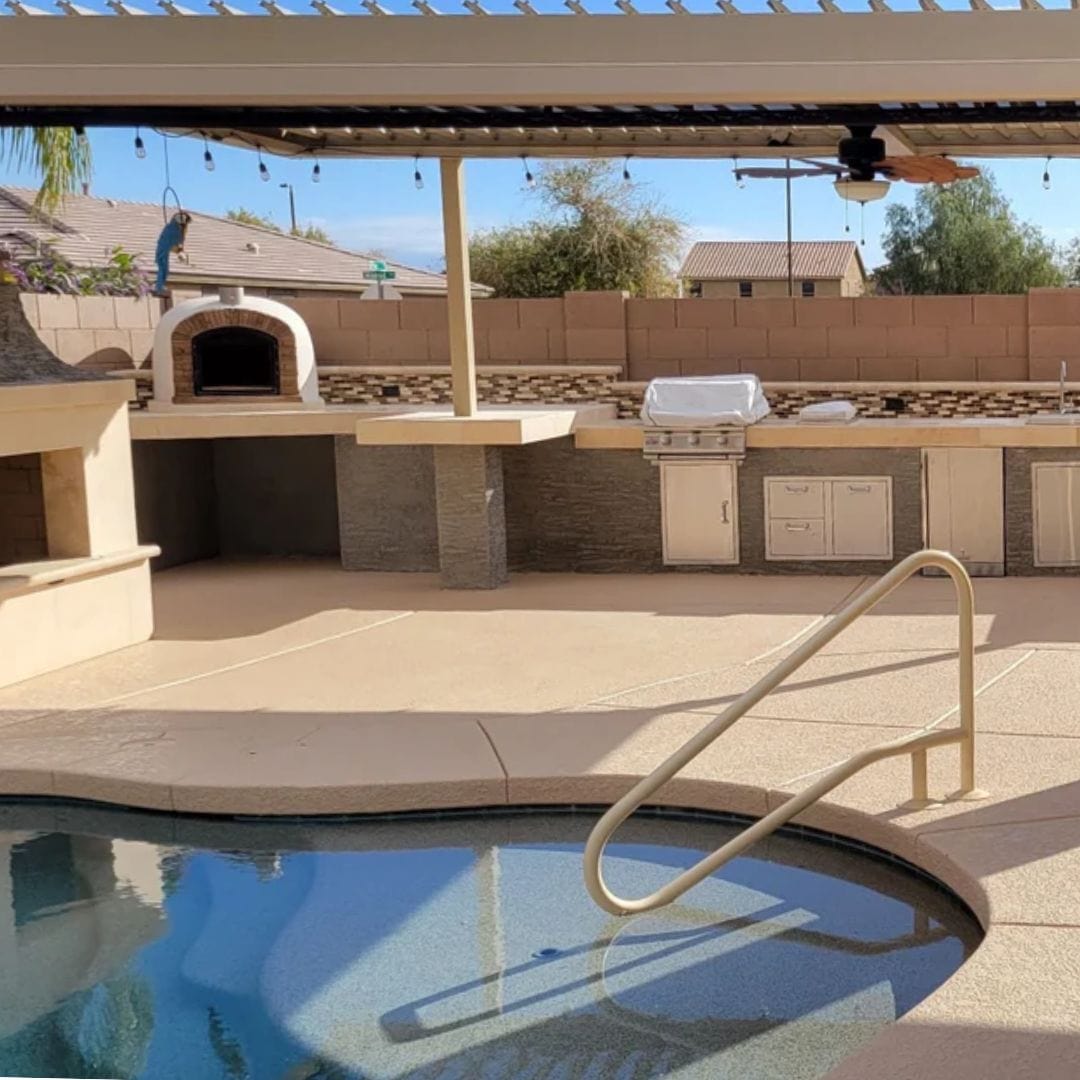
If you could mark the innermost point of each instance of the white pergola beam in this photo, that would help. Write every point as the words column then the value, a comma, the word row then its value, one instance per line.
column 653, row 59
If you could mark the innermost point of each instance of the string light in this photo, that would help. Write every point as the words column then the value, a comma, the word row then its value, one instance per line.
column 140, row 146
column 739, row 181
column 80, row 134
column 626, row 170
column 418, row 176
column 530, row 180
column 264, row 172
column 316, row 173
column 208, row 158
column 1046, row 176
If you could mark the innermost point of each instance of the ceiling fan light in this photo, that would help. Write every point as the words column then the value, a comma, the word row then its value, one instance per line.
column 862, row 191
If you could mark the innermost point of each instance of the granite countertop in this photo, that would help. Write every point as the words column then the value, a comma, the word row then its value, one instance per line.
column 902, row 431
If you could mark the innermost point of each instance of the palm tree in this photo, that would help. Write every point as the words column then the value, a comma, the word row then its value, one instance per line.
column 59, row 155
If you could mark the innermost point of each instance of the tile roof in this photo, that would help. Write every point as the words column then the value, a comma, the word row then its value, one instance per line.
column 87, row 228
column 767, row 259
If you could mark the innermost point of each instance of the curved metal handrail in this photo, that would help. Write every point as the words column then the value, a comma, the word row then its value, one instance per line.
column 916, row 743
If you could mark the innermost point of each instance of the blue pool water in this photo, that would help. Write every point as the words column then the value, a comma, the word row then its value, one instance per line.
column 445, row 948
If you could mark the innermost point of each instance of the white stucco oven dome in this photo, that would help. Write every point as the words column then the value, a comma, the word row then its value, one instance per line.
column 233, row 351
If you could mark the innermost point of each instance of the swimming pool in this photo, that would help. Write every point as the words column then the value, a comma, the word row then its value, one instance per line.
column 446, row 947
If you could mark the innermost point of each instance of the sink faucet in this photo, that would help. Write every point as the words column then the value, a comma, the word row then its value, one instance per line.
column 1061, row 386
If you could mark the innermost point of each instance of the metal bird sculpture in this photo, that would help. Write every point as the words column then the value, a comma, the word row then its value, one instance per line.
column 171, row 239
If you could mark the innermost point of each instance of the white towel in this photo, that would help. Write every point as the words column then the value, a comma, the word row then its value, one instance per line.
column 829, row 412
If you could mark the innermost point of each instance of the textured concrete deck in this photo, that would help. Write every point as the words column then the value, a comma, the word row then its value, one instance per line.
column 296, row 687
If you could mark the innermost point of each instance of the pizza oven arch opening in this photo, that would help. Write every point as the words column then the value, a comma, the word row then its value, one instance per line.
column 235, row 361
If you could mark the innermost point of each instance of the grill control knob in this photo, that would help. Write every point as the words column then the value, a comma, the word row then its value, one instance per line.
column 692, row 439
column 665, row 440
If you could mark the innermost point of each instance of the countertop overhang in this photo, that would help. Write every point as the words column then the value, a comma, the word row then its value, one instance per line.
column 869, row 433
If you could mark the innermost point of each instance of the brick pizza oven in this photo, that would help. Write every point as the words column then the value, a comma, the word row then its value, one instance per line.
column 233, row 351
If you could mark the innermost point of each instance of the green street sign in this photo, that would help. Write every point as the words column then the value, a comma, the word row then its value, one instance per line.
column 379, row 275
column 378, row 264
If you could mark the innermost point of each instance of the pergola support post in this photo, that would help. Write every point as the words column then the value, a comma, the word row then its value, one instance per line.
column 458, row 287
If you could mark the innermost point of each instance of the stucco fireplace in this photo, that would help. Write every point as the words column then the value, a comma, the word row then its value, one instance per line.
column 233, row 351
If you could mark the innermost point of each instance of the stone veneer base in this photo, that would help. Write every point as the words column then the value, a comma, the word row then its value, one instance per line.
column 471, row 515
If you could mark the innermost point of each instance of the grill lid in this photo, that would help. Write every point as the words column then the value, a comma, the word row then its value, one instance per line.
column 705, row 401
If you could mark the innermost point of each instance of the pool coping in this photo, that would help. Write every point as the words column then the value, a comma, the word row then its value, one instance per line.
column 883, row 1056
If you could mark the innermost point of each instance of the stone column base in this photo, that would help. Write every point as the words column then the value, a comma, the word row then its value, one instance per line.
column 471, row 516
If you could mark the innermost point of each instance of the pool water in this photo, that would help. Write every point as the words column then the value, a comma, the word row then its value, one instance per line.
column 446, row 947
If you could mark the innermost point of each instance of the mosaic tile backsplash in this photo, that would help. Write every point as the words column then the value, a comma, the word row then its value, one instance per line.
column 873, row 400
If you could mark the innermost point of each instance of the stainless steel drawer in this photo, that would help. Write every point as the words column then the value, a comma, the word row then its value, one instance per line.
column 794, row 498
column 791, row 538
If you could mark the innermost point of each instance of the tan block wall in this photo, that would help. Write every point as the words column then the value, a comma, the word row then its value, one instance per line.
column 827, row 339
column 102, row 333
column 22, row 509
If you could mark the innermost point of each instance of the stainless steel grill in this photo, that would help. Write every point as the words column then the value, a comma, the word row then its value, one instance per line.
column 701, row 418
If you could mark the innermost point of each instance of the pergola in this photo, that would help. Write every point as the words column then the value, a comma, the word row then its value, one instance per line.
column 973, row 83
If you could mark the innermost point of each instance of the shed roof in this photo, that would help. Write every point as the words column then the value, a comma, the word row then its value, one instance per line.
column 767, row 259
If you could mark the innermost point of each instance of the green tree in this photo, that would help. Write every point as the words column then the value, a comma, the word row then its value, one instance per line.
column 963, row 238
column 60, row 156
column 249, row 217
column 313, row 232
column 595, row 231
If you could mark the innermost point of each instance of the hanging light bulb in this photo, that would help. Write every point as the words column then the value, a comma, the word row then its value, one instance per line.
column 208, row 158
column 1046, row 176
column 739, row 181
column 626, row 170
column 316, row 173
column 418, row 176
column 530, row 180
column 264, row 172
column 140, row 146
column 80, row 134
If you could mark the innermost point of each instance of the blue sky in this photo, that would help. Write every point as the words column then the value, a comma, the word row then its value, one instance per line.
column 373, row 205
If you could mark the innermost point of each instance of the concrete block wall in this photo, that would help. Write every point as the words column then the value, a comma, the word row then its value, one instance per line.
column 103, row 333
column 899, row 339
column 882, row 339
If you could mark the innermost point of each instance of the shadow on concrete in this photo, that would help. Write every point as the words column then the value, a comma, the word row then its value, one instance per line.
column 220, row 598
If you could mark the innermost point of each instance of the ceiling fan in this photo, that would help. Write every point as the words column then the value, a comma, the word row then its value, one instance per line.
column 861, row 160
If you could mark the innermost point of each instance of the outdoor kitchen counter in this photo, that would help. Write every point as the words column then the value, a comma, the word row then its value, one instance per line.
column 401, row 425
column 882, row 434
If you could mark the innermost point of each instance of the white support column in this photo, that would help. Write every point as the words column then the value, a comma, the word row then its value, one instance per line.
column 459, row 291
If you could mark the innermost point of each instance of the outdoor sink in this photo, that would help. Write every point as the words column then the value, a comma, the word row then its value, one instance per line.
column 1070, row 418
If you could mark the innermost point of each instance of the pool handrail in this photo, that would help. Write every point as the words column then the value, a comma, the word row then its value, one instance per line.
column 917, row 743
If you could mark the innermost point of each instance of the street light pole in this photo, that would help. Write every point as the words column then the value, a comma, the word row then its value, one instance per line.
column 292, row 205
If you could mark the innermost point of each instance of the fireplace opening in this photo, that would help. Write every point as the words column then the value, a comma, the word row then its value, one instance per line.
column 235, row 361
column 22, row 510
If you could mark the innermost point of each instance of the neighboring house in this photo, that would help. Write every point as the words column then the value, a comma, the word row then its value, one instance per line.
column 218, row 251
column 730, row 268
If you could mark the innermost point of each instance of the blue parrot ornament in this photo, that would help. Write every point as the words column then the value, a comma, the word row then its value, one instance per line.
column 171, row 239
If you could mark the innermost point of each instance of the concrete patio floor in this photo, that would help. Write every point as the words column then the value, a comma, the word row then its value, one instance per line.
column 294, row 687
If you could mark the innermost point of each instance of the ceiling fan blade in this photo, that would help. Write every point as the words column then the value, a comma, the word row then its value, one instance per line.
column 935, row 169
column 755, row 173
column 827, row 166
